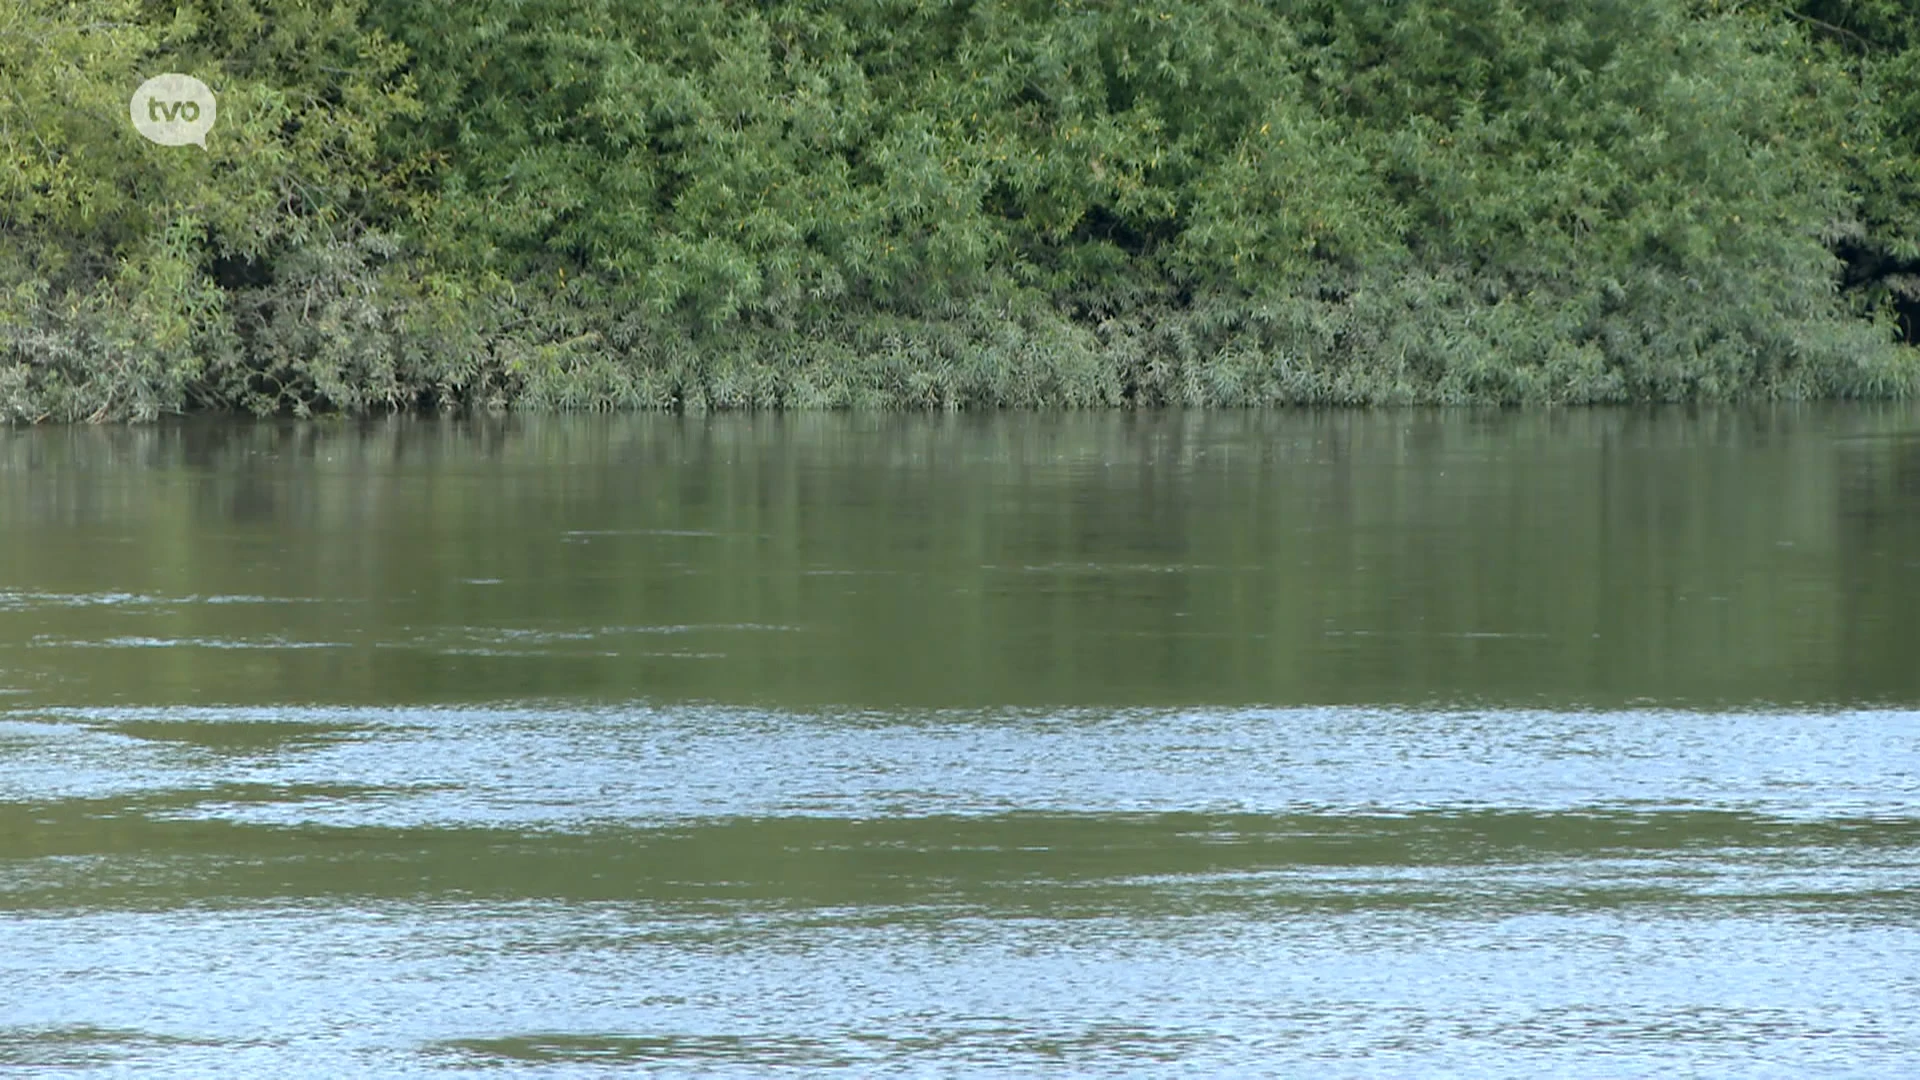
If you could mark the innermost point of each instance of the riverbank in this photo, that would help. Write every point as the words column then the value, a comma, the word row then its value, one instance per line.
column 570, row 204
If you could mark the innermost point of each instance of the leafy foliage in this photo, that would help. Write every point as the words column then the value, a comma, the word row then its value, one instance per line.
column 964, row 203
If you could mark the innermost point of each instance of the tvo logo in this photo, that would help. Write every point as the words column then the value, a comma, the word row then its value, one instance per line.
column 169, row 111
column 173, row 110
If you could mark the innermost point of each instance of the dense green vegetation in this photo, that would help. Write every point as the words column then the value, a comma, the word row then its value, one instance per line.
column 705, row 204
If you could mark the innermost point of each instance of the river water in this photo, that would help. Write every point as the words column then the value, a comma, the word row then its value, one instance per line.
column 1388, row 744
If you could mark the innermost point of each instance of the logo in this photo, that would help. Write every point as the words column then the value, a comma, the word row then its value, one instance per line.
column 173, row 110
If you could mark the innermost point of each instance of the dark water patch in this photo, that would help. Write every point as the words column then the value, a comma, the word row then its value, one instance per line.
column 80, row 1046
column 244, row 736
column 685, row 1050
column 1702, row 559
column 984, row 1041
column 196, row 848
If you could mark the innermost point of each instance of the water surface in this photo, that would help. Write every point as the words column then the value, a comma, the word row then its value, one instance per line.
column 1381, row 744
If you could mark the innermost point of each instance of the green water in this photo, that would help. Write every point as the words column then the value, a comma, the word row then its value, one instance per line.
column 1339, row 744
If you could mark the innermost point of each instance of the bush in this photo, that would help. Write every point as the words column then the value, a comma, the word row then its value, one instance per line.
column 569, row 204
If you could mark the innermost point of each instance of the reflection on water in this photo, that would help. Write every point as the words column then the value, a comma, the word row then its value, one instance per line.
column 1387, row 744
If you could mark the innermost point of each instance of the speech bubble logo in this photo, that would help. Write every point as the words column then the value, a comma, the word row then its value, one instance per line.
column 173, row 110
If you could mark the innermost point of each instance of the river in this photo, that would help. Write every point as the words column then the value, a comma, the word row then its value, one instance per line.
column 1344, row 744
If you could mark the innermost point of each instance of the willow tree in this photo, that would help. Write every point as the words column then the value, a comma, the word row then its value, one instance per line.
column 707, row 203
column 124, row 265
